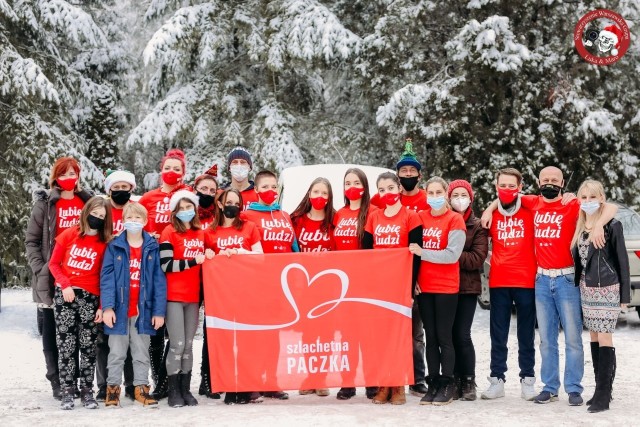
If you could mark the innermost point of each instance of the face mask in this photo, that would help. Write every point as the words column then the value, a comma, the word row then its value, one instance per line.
column 590, row 207
column 68, row 184
column 507, row 196
column 409, row 183
column 206, row 200
column 171, row 177
column 95, row 223
column 121, row 197
column 319, row 203
column 231, row 211
column 436, row 203
column 550, row 191
column 390, row 199
column 460, row 204
column 268, row 197
column 239, row 172
column 186, row 216
column 133, row 227
column 354, row 193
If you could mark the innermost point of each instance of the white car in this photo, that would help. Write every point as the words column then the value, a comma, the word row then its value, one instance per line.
column 295, row 181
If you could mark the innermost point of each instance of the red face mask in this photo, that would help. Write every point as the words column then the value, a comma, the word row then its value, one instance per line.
column 390, row 199
column 171, row 177
column 319, row 203
column 507, row 196
column 268, row 196
column 354, row 193
column 67, row 184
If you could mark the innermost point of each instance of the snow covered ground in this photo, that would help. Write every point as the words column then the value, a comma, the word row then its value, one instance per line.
column 25, row 396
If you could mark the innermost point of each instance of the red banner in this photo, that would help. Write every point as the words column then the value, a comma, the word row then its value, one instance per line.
column 309, row 320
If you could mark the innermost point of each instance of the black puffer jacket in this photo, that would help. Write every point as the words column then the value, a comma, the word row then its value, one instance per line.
column 609, row 265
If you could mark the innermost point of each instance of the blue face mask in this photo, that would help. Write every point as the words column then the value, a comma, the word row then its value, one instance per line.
column 133, row 227
column 590, row 207
column 436, row 203
column 186, row 216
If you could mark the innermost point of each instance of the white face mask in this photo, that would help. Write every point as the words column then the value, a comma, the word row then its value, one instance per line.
column 460, row 204
column 239, row 172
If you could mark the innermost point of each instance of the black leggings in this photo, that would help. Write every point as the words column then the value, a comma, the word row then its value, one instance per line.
column 465, row 352
column 438, row 312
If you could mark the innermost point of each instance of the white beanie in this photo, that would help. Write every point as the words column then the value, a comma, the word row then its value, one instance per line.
column 119, row 176
column 183, row 194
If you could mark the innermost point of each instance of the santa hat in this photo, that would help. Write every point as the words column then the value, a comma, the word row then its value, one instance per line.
column 113, row 176
column 239, row 153
column 460, row 183
column 183, row 194
column 408, row 157
column 614, row 32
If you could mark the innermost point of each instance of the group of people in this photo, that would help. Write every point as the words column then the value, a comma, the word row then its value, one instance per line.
column 114, row 277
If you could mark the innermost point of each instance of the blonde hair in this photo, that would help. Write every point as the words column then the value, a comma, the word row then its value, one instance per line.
column 591, row 187
column 134, row 208
column 443, row 183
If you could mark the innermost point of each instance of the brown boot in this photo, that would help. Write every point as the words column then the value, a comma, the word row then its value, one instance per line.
column 113, row 396
column 142, row 395
column 382, row 396
column 398, row 396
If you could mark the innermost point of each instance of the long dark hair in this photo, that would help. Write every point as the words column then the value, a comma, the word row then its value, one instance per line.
column 219, row 218
column 96, row 202
column 305, row 206
column 364, row 203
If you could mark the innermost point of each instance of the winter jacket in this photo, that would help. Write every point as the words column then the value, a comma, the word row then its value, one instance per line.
column 39, row 239
column 473, row 256
column 114, row 285
column 607, row 266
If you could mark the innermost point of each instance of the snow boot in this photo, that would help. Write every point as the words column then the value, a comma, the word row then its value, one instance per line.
column 606, row 363
column 468, row 388
column 67, row 398
column 432, row 390
column 142, row 396
column 175, row 391
column 112, row 398
column 398, row 396
column 382, row 396
column 445, row 392
column 185, row 388
column 457, row 387
column 87, row 399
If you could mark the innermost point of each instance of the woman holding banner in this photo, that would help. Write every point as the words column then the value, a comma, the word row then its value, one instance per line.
column 392, row 227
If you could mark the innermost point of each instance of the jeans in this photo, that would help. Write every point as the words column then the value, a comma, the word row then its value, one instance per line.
column 502, row 299
column 558, row 303
column 417, row 331
column 465, row 352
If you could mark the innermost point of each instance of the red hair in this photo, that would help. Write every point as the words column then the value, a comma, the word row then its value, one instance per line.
column 177, row 154
column 61, row 166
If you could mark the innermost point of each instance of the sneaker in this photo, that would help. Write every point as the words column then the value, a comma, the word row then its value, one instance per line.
column 546, row 397
column 418, row 389
column 495, row 390
column 66, row 401
column 142, row 396
column 102, row 393
column 112, row 399
column 346, row 393
column 322, row 392
column 575, row 399
column 87, row 399
column 280, row 395
column 527, row 392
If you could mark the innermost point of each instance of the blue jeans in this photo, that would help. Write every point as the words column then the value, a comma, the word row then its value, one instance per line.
column 502, row 299
column 558, row 303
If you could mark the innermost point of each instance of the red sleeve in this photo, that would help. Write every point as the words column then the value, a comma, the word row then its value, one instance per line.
column 208, row 240
column 414, row 220
column 254, row 234
column 165, row 236
column 375, row 201
column 457, row 223
column 55, row 262
column 529, row 201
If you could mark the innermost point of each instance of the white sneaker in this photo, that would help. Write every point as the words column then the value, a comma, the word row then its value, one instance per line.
column 495, row 390
column 526, row 385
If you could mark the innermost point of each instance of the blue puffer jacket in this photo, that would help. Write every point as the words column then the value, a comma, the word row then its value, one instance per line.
column 114, row 285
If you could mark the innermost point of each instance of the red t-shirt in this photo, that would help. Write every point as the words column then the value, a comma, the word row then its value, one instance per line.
column 416, row 203
column 184, row 286
column 345, row 231
column 135, row 259
column 392, row 232
column 513, row 260
column 76, row 261
column 231, row 238
column 248, row 196
column 206, row 223
column 157, row 204
column 276, row 231
column 555, row 225
column 116, row 218
column 439, row 278
column 311, row 238
column 68, row 213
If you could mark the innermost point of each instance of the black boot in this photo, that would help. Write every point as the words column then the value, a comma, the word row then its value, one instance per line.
column 607, row 361
column 205, row 387
column 457, row 387
column 185, row 388
column 595, row 356
column 468, row 391
column 161, row 383
column 371, row 392
column 346, row 393
column 445, row 392
column 175, row 391
column 432, row 390
column 51, row 362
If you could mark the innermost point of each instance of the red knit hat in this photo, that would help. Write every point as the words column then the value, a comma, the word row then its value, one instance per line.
column 460, row 183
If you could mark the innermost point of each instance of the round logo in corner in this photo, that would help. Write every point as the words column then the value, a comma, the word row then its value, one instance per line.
column 602, row 37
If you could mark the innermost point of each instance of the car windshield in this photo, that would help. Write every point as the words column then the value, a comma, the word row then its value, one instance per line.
column 630, row 222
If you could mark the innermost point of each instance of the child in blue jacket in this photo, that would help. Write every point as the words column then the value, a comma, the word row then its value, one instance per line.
column 133, row 292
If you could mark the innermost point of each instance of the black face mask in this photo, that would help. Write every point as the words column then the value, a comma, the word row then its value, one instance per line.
column 550, row 191
column 206, row 200
column 121, row 197
column 231, row 211
column 95, row 223
column 409, row 183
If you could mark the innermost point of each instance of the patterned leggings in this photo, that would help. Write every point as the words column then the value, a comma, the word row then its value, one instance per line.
column 75, row 327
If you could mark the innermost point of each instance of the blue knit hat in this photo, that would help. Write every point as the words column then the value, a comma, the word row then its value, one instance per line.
column 239, row 153
column 408, row 157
